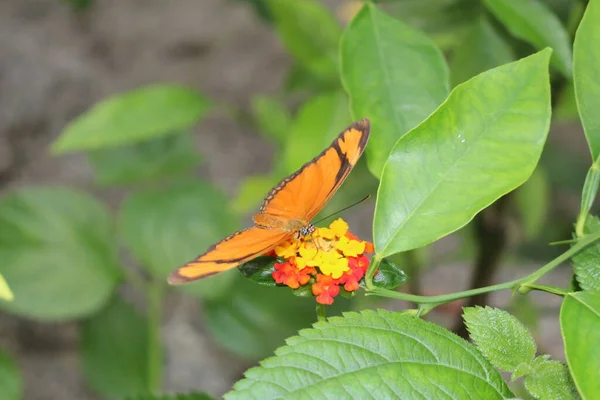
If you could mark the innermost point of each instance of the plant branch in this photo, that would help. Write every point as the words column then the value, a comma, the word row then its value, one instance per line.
column 523, row 285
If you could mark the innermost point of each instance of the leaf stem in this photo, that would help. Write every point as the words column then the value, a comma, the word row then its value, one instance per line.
column 523, row 285
column 546, row 288
column 155, row 292
column 588, row 195
column 321, row 313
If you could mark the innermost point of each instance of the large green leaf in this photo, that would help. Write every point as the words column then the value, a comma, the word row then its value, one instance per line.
column 164, row 228
column 151, row 159
column 395, row 76
column 183, row 396
column 310, row 33
column 481, row 49
column 319, row 121
column 586, row 263
column 114, row 345
column 253, row 319
column 580, row 326
column 134, row 116
column 500, row 337
column 586, row 74
column 58, row 252
column 484, row 141
column 374, row 355
column 535, row 23
column 11, row 387
column 533, row 202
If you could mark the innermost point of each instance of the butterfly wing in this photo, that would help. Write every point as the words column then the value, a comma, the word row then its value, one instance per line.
column 303, row 194
column 230, row 252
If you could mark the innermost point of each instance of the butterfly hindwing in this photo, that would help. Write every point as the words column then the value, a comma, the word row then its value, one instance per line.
column 230, row 252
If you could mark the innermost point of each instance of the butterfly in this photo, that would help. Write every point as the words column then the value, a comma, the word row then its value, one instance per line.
column 286, row 210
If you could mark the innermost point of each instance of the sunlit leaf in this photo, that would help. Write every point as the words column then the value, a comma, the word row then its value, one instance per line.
column 395, row 76
column 5, row 292
column 483, row 142
column 580, row 327
column 58, row 252
column 550, row 379
column 135, row 116
column 373, row 355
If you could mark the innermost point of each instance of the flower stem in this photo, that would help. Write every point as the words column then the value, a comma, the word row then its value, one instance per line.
column 524, row 284
column 155, row 291
column 321, row 313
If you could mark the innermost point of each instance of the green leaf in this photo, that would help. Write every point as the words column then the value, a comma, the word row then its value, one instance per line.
column 483, row 142
column 532, row 200
column 535, row 23
column 445, row 21
column 373, row 355
column 148, row 160
column 550, row 380
column 483, row 48
column 187, row 396
column 114, row 347
column 135, row 116
column 252, row 320
column 319, row 121
column 12, row 385
column 272, row 117
column 251, row 193
column 5, row 292
column 586, row 263
column 586, row 75
column 58, row 253
column 389, row 276
column 566, row 106
column 165, row 228
column 500, row 337
column 309, row 32
column 580, row 327
column 260, row 270
column 395, row 76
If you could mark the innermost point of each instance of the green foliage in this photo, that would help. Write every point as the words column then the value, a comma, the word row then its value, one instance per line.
column 189, row 396
column 373, row 355
column 58, row 252
column 380, row 57
column 272, row 118
column 500, row 337
column 144, row 161
column 483, row 142
column 532, row 203
column 260, row 270
column 315, row 49
column 481, row 49
column 132, row 117
column 253, row 320
column 12, row 386
column 586, row 75
column 580, row 327
column 114, row 348
column 165, row 228
column 587, row 263
column 319, row 121
column 389, row 275
column 5, row 292
column 533, row 22
column 550, row 380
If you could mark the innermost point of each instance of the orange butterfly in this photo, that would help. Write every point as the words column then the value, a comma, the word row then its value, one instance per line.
column 287, row 209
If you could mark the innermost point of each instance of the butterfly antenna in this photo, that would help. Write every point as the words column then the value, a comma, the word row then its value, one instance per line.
column 343, row 209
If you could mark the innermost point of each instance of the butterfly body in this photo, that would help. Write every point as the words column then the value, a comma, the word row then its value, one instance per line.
column 287, row 209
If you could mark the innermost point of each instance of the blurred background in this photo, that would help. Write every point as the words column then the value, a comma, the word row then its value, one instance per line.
column 59, row 58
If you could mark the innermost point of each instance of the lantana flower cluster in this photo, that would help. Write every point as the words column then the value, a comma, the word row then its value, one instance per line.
column 328, row 259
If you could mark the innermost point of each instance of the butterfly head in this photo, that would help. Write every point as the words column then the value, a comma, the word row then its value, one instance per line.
column 306, row 230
